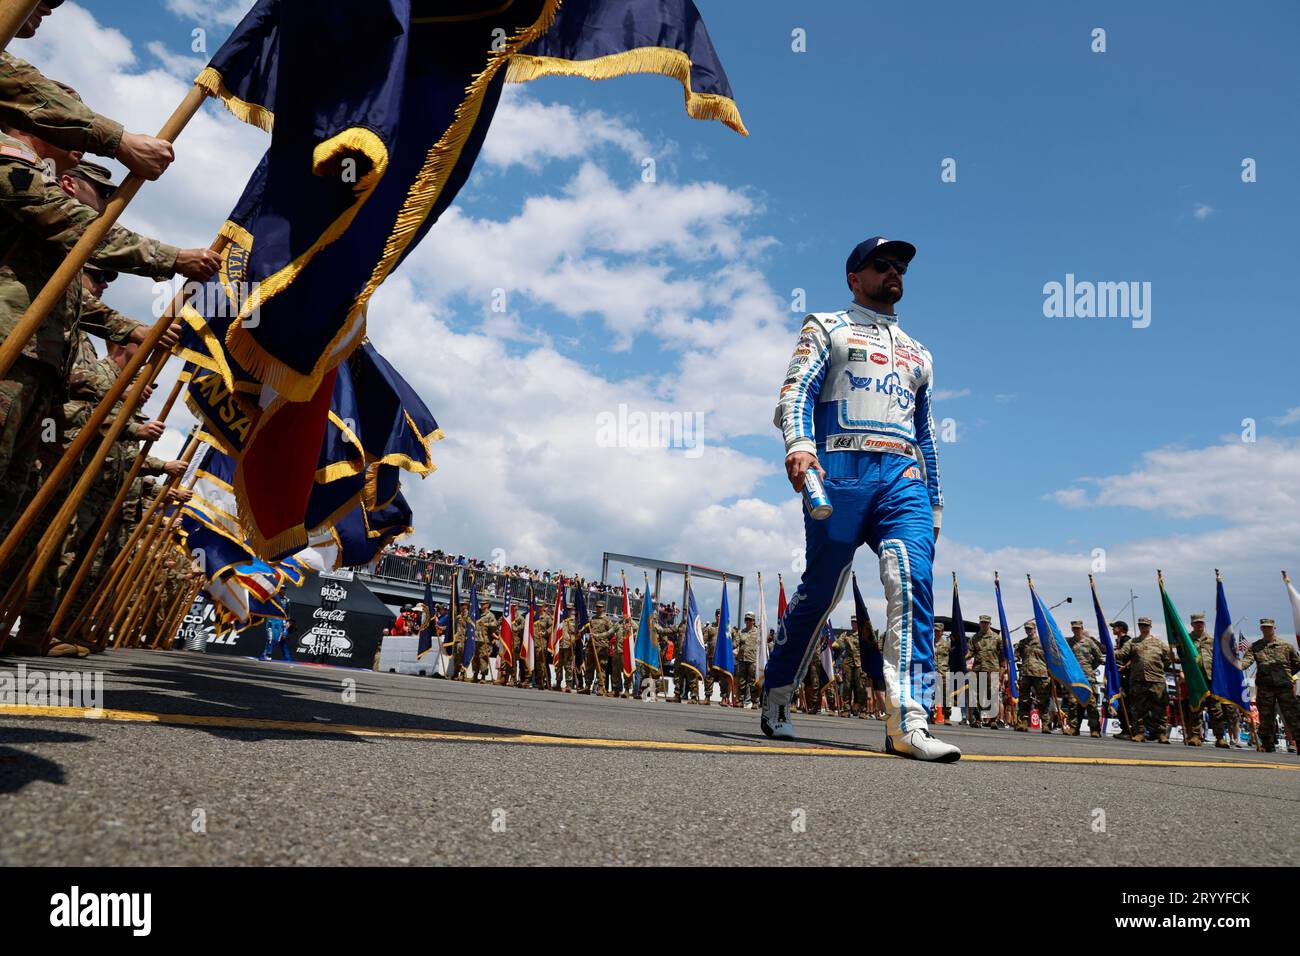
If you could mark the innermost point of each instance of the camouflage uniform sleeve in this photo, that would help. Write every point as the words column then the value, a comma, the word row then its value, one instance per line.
column 40, row 210
column 152, row 466
column 126, row 251
column 1292, row 658
column 32, row 103
column 105, row 322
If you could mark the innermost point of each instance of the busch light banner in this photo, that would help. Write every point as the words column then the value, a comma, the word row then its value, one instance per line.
column 339, row 621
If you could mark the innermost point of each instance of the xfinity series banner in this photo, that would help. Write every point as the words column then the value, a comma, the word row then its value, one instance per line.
column 198, row 627
column 339, row 621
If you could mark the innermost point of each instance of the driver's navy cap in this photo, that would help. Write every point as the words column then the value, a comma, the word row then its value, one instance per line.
column 878, row 245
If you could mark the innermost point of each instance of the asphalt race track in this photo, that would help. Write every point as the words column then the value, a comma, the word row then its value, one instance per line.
column 208, row 760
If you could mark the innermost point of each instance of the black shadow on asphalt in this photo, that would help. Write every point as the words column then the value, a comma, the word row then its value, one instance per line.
column 251, row 690
column 18, row 768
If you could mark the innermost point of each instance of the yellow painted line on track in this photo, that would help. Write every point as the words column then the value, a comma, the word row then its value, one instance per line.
column 545, row 740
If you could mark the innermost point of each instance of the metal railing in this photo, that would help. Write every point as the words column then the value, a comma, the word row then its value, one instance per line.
column 412, row 569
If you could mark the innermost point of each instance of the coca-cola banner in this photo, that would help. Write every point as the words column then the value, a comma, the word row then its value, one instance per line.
column 339, row 621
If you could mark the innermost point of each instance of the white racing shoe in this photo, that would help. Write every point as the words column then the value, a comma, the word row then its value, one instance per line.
column 774, row 716
column 922, row 745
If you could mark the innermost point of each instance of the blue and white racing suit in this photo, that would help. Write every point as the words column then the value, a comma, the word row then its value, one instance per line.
column 857, row 395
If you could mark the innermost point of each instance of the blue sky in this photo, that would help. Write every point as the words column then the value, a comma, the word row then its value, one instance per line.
column 1115, row 166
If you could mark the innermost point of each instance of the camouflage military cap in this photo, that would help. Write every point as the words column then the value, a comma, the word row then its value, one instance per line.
column 1076, row 624
column 1030, row 626
column 749, row 615
column 986, row 619
column 1266, row 622
column 98, row 176
column 1198, row 616
column 1145, row 620
column 600, row 604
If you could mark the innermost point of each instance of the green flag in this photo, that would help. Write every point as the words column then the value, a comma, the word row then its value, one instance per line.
column 1193, row 676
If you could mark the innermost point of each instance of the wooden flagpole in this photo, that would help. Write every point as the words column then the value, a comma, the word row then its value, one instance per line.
column 138, row 629
column 52, row 537
column 154, row 548
column 110, row 516
column 13, row 14
column 69, row 271
column 50, row 485
column 126, row 556
column 168, row 636
column 169, row 617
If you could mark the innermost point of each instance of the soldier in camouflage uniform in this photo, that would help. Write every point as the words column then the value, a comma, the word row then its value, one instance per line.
column 486, row 629
column 853, row 697
column 523, row 667
column 1035, row 678
column 618, row 686
column 746, row 650
column 710, row 634
column 599, row 631
column 39, row 222
column 1119, row 634
column 663, row 633
column 32, row 103
column 942, row 648
column 986, row 658
column 1149, row 661
column 89, row 381
column 1090, row 656
column 564, row 670
column 459, row 630
column 542, row 649
column 1276, row 662
column 1213, row 707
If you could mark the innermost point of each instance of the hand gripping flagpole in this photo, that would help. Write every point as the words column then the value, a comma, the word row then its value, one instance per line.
column 69, row 270
column 51, row 538
column 140, row 599
column 13, row 14
column 151, row 596
column 184, row 601
column 99, row 601
column 50, row 485
column 110, row 516
column 148, row 557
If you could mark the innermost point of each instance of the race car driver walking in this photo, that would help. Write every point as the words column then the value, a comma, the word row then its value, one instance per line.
column 855, row 407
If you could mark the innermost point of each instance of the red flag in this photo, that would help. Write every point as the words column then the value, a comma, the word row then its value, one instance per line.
column 559, row 616
column 527, row 647
column 780, row 600
column 628, row 664
column 507, row 659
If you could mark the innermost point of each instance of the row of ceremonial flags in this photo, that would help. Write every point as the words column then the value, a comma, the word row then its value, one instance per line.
column 640, row 648
column 361, row 163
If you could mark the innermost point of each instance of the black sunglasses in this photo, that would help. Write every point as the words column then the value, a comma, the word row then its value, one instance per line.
column 882, row 265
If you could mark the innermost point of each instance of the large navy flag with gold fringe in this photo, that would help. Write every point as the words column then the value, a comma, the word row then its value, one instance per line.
column 377, row 113
column 601, row 39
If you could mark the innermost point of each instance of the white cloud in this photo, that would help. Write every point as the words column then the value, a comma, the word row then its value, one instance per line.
column 944, row 394
column 1239, row 481
column 1202, row 212
column 530, row 133
column 214, row 154
column 673, row 267
column 182, row 67
column 227, row 13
